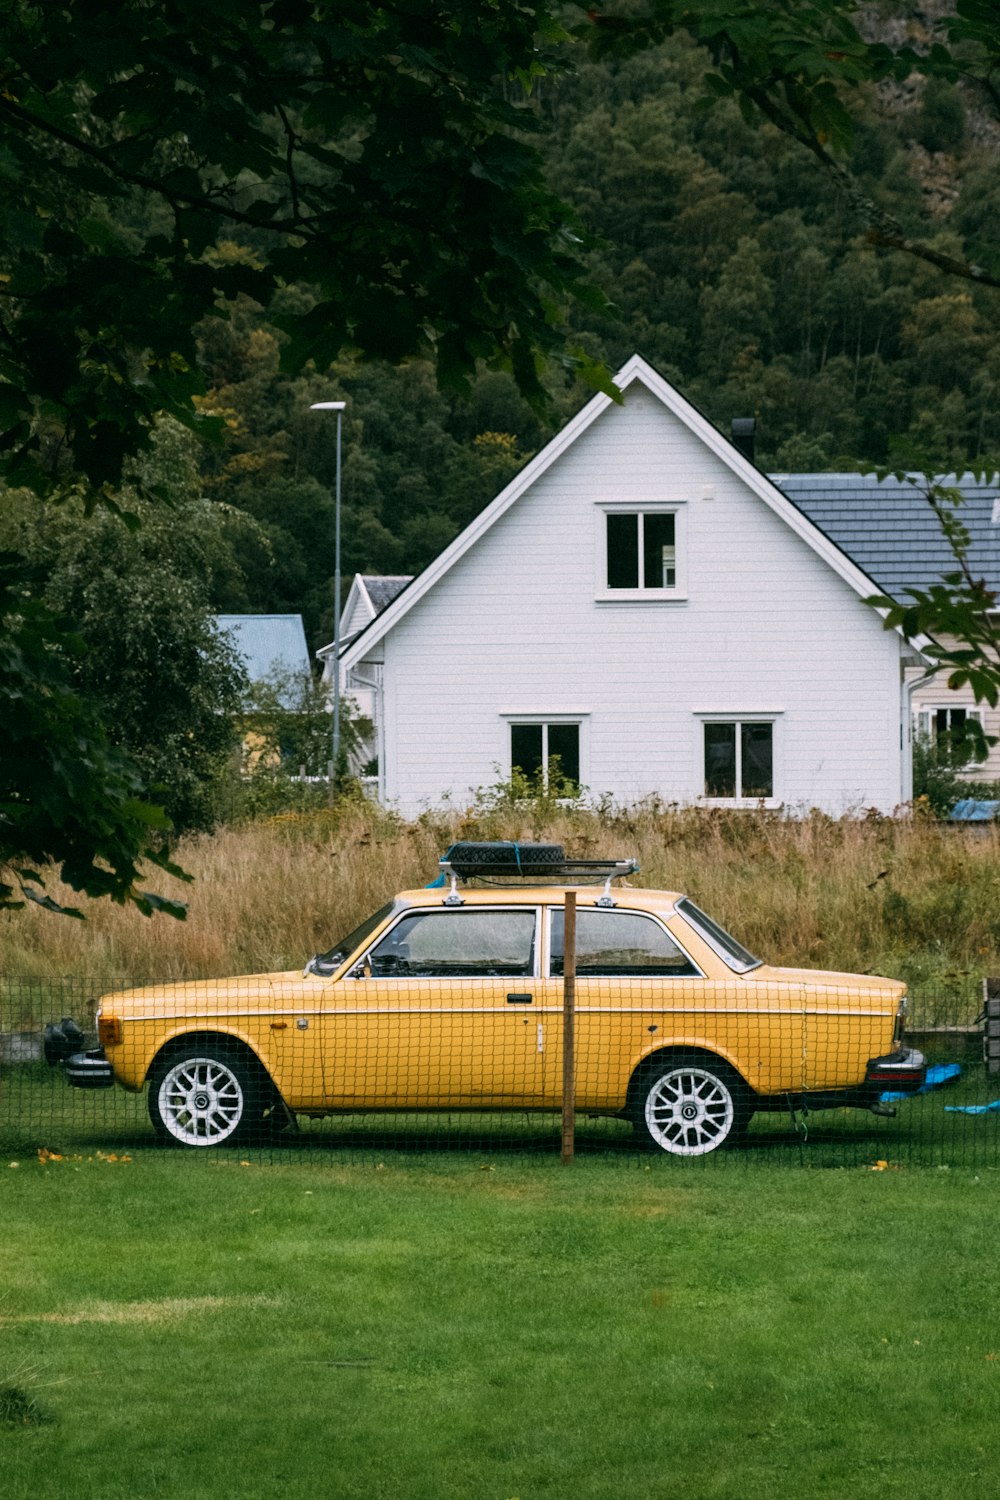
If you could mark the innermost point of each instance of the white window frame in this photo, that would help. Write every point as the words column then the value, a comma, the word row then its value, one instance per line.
column 926, row 714
column 641, row 594
column 739, row 717
column 582, row 722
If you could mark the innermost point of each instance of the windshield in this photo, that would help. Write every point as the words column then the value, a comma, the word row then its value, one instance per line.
column 326, row 963
column 718, row 939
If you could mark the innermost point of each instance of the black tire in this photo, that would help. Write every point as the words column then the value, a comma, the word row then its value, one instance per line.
column 688, row 1104
column 204, row 1092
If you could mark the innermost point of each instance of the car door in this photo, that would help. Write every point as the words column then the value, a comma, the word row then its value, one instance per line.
column 636, row 990
column 439, row 1013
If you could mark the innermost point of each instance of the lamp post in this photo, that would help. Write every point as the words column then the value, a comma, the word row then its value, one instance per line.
column 338, row 407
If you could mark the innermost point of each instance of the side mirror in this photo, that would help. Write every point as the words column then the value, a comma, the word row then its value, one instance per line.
column 323, row 964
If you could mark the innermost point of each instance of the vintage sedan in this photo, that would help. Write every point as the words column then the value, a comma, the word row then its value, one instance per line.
column 451, row 998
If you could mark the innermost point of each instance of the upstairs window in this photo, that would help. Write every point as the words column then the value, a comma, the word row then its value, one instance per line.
column 642, row 553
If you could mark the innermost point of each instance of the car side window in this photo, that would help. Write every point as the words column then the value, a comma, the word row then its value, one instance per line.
column 460, row 943
column 618, row 943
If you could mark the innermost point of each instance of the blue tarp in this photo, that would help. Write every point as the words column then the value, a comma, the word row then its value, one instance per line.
column 974, row 810
column 973, row 1109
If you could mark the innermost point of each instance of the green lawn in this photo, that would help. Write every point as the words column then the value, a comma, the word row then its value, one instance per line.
column 478, row 1324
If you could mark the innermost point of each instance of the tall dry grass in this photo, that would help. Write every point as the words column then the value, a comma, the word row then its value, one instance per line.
column 911, row 899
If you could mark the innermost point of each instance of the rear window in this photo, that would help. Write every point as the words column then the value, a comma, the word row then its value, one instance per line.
column 738, row 958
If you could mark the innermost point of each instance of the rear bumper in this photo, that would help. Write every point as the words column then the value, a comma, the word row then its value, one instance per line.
column 900, row 1072
column 903, row 1071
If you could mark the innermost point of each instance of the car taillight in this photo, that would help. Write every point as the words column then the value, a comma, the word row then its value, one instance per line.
column 109, row 1030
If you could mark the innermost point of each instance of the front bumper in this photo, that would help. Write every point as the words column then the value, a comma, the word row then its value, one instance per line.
column 63, row 1043
column 89, row 1070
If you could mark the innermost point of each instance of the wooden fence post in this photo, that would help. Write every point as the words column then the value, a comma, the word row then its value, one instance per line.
column 569, row 1016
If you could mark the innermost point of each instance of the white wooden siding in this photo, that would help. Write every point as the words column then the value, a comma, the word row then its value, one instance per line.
column 357, row 614
column 767, row 627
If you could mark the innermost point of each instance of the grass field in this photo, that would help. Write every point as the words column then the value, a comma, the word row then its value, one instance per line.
column 477, row 1326
column 903, row 897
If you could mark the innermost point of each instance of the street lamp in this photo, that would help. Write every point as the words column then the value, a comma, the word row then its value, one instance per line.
column 338, row 407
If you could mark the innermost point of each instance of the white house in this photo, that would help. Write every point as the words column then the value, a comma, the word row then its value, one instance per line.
column 642, row 602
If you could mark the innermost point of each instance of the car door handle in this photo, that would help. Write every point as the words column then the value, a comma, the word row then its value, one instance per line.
column 519, row 999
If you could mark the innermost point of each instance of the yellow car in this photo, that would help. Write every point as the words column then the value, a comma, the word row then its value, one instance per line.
column 452, row 998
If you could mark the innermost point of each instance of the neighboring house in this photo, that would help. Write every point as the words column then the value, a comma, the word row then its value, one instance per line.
column 891, row 532
column 645, row 604
column 369, row 595
column 273, row 648
column 269, row 645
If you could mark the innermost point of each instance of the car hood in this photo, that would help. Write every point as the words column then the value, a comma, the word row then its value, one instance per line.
column 195, row 997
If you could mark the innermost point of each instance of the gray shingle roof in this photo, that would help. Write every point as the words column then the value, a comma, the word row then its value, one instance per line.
column 887, row 527
column 384, row 587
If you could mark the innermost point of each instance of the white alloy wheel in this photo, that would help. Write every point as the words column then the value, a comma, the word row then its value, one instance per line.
column 689, row 1107
column 200, row 1101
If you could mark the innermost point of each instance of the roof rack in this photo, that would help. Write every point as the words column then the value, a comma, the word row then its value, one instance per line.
column 539, row 864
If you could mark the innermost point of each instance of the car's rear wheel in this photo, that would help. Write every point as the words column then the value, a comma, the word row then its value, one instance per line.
column 205, row 1095
column 688, row 1103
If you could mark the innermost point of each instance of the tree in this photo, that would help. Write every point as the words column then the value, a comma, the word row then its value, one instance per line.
column 86, row 811
column 800, row 64
column 365, row 151
column 166, row 684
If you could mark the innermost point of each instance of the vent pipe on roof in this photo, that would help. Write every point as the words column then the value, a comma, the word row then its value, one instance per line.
column 744, row 434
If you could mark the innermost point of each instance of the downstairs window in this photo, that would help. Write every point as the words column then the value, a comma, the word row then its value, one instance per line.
column 739, row 759
column 547, row 753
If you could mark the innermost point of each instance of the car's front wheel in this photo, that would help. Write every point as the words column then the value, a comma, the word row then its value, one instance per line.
column 688, row 1104
column 198, row 1096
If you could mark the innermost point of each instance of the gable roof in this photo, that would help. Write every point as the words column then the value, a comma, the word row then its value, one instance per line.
column 368, row 596
column 890, row 530
column 635, row 371
column 268, row 643
column 382, row 588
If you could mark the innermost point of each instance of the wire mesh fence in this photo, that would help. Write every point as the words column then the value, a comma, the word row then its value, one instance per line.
column 681, row 1072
